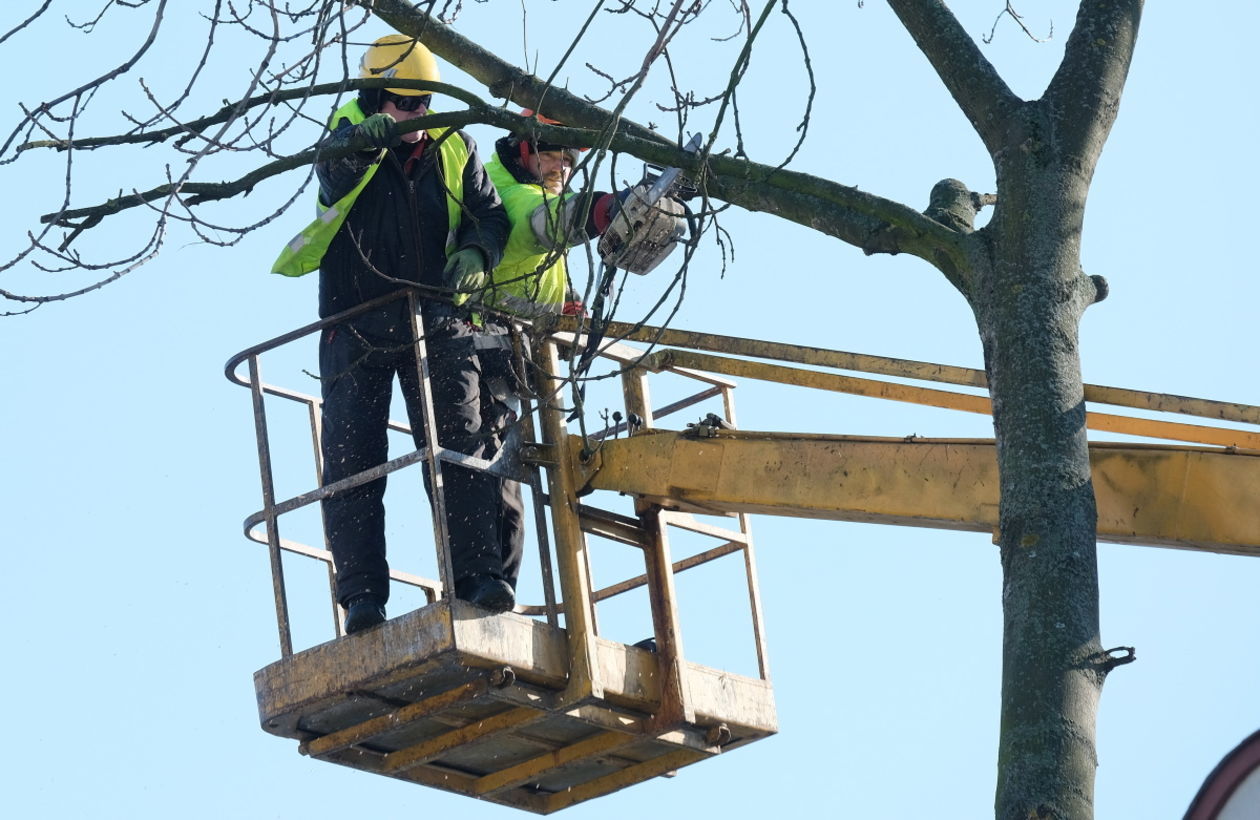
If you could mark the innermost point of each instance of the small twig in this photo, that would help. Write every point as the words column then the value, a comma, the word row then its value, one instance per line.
column 1019, row 20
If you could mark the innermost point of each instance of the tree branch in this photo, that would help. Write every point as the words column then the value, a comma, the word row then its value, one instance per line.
column 1084, row 93
column 233, row 110
column 869, row 222
column 984, row 97
column 201, row 192
column 34, row 15
column 99, row 81
column 874, row 224
column 502, row 79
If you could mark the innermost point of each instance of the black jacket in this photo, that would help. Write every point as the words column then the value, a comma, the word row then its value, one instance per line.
column 396, row 232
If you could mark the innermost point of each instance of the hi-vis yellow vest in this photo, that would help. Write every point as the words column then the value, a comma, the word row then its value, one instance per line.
column 304, row 251
column 531, row 280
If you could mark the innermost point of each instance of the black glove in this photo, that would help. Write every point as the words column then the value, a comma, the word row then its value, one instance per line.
column 466, row 273
column 378, row 130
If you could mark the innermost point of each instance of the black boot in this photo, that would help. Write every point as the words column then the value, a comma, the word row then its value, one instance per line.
column 487, row 592
column 364, row 611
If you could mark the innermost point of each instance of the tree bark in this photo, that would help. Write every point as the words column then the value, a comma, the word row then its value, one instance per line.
column 1028, row 294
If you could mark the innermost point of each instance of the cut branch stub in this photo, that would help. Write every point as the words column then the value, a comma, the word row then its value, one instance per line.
column 955, row 206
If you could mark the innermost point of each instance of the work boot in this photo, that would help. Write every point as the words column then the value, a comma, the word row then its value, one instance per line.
column 364, row 611
column 487, row 592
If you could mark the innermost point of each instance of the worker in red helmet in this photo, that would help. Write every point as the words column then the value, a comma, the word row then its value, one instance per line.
column 405, row 210
column 532, row 176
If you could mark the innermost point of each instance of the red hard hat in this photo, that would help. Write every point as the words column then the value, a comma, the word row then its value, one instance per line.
column 529, row 112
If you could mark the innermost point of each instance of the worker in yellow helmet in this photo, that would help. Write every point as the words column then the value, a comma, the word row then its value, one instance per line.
column 403, row 210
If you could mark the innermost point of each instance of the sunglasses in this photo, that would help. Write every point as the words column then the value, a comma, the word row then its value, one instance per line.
column 409, row 103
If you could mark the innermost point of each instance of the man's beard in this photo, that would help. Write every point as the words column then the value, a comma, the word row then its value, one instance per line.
column 553, row 183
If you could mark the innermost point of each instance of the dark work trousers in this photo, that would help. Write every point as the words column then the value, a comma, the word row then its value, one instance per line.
column 500, row 412
column 511, row 528
column 356, row 376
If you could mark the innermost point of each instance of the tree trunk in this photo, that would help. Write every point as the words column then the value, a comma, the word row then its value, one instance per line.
column 1024, row 282
column 1028, row 304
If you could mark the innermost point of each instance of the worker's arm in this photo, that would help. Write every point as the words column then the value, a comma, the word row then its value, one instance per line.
column 573, row 218
column 338, row 176
column 485, row 224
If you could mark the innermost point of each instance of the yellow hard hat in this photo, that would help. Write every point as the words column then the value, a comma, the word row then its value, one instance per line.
column 396, row 55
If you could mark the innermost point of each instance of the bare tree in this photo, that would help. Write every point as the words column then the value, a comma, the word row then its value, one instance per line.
column 1020, row 272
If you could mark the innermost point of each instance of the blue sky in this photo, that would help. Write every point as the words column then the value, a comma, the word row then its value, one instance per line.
column 138, row 613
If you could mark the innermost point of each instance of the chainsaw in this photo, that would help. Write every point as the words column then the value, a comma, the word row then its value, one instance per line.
column 651, row 220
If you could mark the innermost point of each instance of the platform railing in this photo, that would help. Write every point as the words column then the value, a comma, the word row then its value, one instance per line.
column 711, row 361
column 263, row 526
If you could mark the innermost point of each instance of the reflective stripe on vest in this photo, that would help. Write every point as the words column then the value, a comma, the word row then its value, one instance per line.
column 304, row 252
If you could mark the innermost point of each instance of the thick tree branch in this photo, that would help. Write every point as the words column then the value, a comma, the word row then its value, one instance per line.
column 971, row 79
column 874, row 224
column 1084, row 94
column 501, row 78
column 869, row 222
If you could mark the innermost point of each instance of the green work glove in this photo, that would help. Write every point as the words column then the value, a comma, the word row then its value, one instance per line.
column 378, row 129
column 466, row 271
